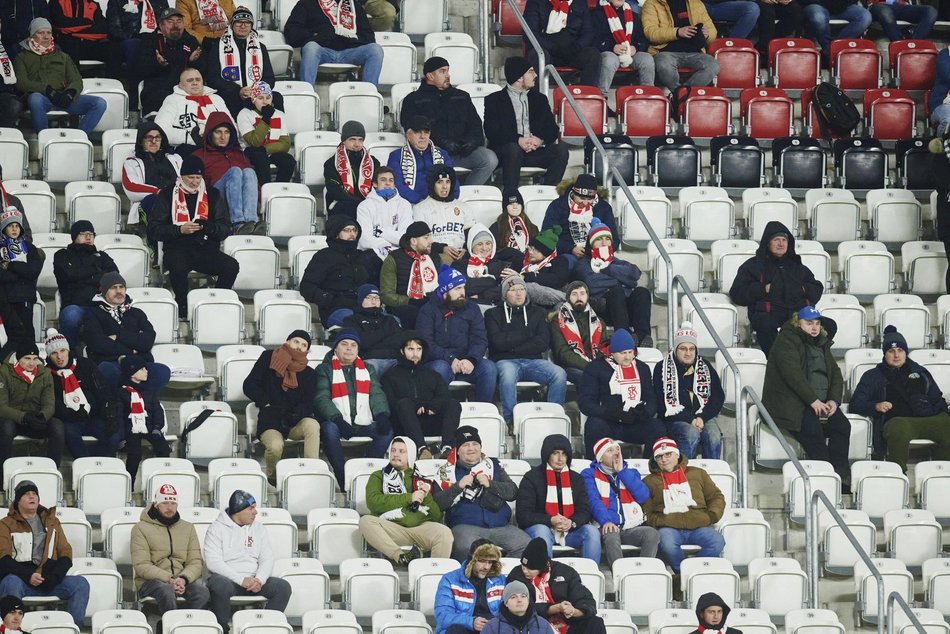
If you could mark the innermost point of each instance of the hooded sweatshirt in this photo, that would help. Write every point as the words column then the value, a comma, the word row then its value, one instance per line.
column 708, row 600
column 145, row 173
column 181, row 112
column 385, row 220
column 236, row 551
column 395, row 506
column 517, row 332
column 533, row 490
column 447, row 216
column 218, row 160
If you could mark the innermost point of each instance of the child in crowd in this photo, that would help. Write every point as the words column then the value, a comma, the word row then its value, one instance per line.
column 265, row 136
column 140, row 413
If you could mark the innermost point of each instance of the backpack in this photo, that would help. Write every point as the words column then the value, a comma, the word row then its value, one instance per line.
column 678, row 97
column 837, row 114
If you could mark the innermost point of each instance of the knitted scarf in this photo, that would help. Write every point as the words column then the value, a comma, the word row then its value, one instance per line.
column 148, row 22
column 6, row 68
column 557, row 19
column 407, row 162
column 28, row 377
column 601, row 258
column 543, row 594
column 340, row 392
column 229, row 56
column 73, row 396
column 702, row 384
column 423, row 278
column 567, row 324
column 14, row 250
column 445, row 476
column 518, row 238
column 631, row 514
column 348, row 178
column 677, row 496
column 41, row 50
column 622, row 33
column 578, row 219
column 558, row 480
column 537, row 266
column 287, row 362
column 341, row 14
column 137, row 413
column 625, row 382
column 477, row 267
column 180, row 212
column 212, row 14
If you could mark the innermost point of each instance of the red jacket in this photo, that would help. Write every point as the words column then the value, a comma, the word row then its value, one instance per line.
column 218, row 160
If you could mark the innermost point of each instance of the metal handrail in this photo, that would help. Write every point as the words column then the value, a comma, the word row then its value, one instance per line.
column 893, row 598
column 542, row 66
column 484, row 30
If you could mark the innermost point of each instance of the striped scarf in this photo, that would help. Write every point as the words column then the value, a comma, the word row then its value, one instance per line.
column 601, row 258
column 340, row 392
column 677, row 496
column 342, row 15
column 73, row 396
column 212, row 14
column 620, row 32
column 27, row 377
column 348, row 178
column 137, row 413
column 229, row 57
column 180, row 212
column 559, row 480
column 625, row 383
column 702, row 384
column 6, row 67
column 557, row 19
column 537, row 266
column 579, row 218
column 518, row 238
column 567, row 324
column 407, row 162
column 423, row 277
column 629, row 512
column 543, row 594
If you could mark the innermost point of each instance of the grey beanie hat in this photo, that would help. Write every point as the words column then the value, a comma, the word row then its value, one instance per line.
column 352, row 128
column 512, row 588
column 511, row 281
column 38, row 24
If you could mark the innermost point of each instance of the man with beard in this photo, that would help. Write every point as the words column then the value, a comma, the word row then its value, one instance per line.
column 334, row 273
column 412, row 162
column 544, row 269
column 469, row 596
column 574, row 213
column 386, row 216
column 454, row 330
column 577, row 334
column 409, row 274
column 445, row 214
column 349, row 173
column 162, row 56
column 380, row 333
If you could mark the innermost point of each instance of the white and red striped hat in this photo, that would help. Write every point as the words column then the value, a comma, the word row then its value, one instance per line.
column 665, row 445
column 602, row 446
column 166, row 493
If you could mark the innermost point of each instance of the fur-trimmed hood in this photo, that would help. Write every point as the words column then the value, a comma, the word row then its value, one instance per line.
column 483, row 552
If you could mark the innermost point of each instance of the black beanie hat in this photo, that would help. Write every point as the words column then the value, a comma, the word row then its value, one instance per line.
column 466, row 433
column 21, row 489
column 433, row 64
column 81, row 226
column 239, row 501
column 192, row 165
column 893, row 339
column 8, row 604
column 131, row 364
column 512, row 196
column 26, row 347
column 303, row 334
column 535, row 554
column 515, row 68
column 415, row 230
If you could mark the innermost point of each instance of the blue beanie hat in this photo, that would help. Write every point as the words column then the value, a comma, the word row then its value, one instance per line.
column 622, row 340
column 346, row 333
column 364, row 290
column 449, row 278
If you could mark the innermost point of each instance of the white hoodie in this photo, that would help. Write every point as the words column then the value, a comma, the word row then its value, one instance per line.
column 382, row 222
column 178, row 115
column 236, row 551
column 448, row 220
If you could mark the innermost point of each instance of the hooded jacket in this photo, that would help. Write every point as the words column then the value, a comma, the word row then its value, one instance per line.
column 610, row 513
column 489, row 509
column 787, row 391
column 710, row 502
column 385, row 220
column 501, row 623
column 517, row 332
column 35, row 72
column 455, row 595
column 566, row 585
column 17, row 397
column 792, row 284
column 144, row 173
column 424, row 163
column 380, row 333
column 308, row 23
column 236, row 551
column 450, row 112
column 216, row 228
column 100, row 398
column 18, row 279
column 16, row 548
column 486, row 289
column 379, row 502
column 532, row 492
column 708, row 600
column 218, row 160
column 279, row 409
column 685, row 395
column 161, row 552
column 334, row 273
column 179, row 115
column 78, row 269
column 447, row 217
column 559, row 210
column 453, row 333
column 594, row 397
column 414, row 381
column 323, row 403
column 659, row 27
column 134, row 332
column 159, row 81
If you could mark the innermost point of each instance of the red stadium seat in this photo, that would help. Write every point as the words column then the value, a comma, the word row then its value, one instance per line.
column 508, row 25
column 855, row 64
column 794, row 63
column 913, row 64
column 644, row 111
column 707, row 113
column 767, row 113
column 890, row 114
column 738, row 62
column 591, row 103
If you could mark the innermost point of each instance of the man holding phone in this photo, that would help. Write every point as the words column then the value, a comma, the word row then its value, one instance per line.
column 678, row 32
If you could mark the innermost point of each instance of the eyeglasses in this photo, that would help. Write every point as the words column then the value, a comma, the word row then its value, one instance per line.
column 87, row 234
column 152, row 137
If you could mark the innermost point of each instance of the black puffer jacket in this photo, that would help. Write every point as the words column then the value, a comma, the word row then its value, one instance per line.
column 451, row 113
column 134, row 332
column 18, row 279
column 517, row 333
column 532, row 492
column 78, row 269
column 286, row 407
column 93, row 385
column 380, row 333
column 334, row 273
column 566, row 585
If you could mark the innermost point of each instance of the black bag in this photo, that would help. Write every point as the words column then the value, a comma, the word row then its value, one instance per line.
column 621, row 154
column 678, row 97
column 197, row 422
column 837, row 114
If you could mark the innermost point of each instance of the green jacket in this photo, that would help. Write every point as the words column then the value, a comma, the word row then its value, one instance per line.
column 34, row 73
column 378, row 502
column 162, row 552
column 323, row 405
column 257, row 137
column 17, row 397
column 787, row 391
column 561, row 353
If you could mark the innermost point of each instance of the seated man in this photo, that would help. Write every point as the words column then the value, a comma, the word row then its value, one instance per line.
column 741, row 15
column 379, row 332
column 566, row 35
column 553, row 504
column 335, row 272
column 192, row 221
column 469, row 596
column 616, row 492
column 409, row 274
column 684, row 504
column 184, row 113
column 939, row 110
column 350, row 402
column 35, row 554
column 166, row 555
column 454, row 330
column 162, row 57
column 473, row 493
column 150, row 168
column 333, row 32
column 545, row 269
column 712, row 612
column 518, row 337
column 517, row 613
column 228, row 170
column 577, row 333
column 904, row 402
column 283, row 387
column 402, row 511
column 690, row 395
column 386, row 216
column 888, row 13
column 350, row 172
column 240, row 560
column 574, row 212
column 412, row 162
column 78, row 269
column 446, row 215
column 678, row 32
column 82, row 32
column 622, row 44
column 616, row 394
column 207, row 19
column 818, row 16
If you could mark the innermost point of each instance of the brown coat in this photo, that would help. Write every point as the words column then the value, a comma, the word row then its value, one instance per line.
column 710, row 502
column 16, row 548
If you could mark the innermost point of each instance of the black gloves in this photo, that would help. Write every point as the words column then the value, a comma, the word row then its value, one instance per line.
column 196, row 136
column 267, row 112
column 346, row 429
column 60, row 98
column 452, row 147
column 34, row 421
column 615, row 414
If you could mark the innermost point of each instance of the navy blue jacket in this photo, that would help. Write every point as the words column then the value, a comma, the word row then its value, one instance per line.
column 459, row 335
column 134, row 334
column 579, row 27
column 488, row 510
column 604, row 37
column 621, row 272
column 595, row 399
column 558, row 211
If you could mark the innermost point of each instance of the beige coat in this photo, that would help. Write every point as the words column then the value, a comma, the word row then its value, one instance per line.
column 162, row 552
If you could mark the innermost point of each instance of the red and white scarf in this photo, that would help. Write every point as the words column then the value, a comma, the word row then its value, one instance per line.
column 204, row 107
column 348, row 179
column 27, row 377
column 229, row 56
column 340, row 392
column 702, row 384
column 631, row 514
column 579, row 219
column 537, row 266
column 407, row 162
column 73, row 396
column 567, row 324
column 137, row 413
column 622, row 33
column 543, row 594
column 625, row 383
column 41, row 50
column 557, row 19
column 558, row 480
column 677, row 496
column 180, row 212
column 601, row 258
column 423, row 277
column 341, row 14
column 212, row 14
column 148, row 22
column 477, row 267
column 6, row 67
column 275, row 131
column 518, row 236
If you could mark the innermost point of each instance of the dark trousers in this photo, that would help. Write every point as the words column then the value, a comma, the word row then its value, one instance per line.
column 52, row 432
column 344, row 208
column 207, row 260
column 445, row 421
column 406, row 315
column 552, row 157
column 790, row 22
column 109, row 52
column 946, row 245
column 836, row 430
column 765, row 326
column 565, row 52
column 261, row 160
column 96, row 427
column 642, row 433
column 276, row 590
column 628, row 311
column 18, row 323
column 133, row 449
column 10, row 109
column 587, row 625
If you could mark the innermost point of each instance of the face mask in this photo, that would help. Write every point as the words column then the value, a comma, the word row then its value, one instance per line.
column 386, row 193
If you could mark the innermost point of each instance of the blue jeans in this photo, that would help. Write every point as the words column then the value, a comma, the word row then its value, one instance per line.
column 586, row 538
column 333, row 445
column 742, row 14
column 74, row 590
column 708, row 539
column 88, row 108
column 239, row 188
column 887, row 15
column 689, row 439
column 817, row 22
column 940, row 117
column 94, row 427
column 369, row 56
column 70, row 322
column 484, row 377
column 382, row 366
column 542, row 371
